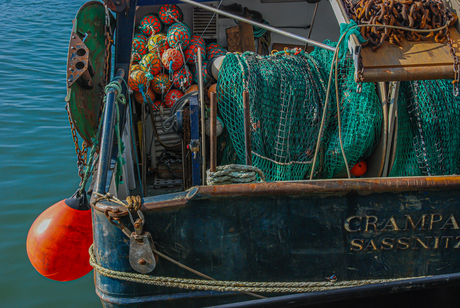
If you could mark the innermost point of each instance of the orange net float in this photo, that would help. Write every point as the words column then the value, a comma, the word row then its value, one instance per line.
column 137, row 78
column 59, row 239
column 172, row 59
column 172, row 97
column 148, row 93
column 170, row 13
column 139, row 48
column 359, row 169
column 191, row 53
column 135, row 67
column 192, row 88
column 151, row 64
column 182, row 79
column 160, row 84
column 158, row 44
column 150, row 25
column 179, row 34
column 157, row 104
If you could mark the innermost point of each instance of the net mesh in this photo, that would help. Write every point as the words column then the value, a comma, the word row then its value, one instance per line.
column 361, row 117
column 428, row 129
column 287, row 93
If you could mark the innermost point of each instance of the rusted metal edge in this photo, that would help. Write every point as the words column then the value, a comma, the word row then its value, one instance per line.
column 149, row 203
column 408, row 73
column 327, row 187
column 297, row 188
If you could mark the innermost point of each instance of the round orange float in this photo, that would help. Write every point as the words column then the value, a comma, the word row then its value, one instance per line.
column 192, row 88
column 359, row 169
column 140, row 98
column 212, row 88
column 59, row 239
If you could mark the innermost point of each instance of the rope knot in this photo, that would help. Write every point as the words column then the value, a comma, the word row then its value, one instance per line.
column 134, row 202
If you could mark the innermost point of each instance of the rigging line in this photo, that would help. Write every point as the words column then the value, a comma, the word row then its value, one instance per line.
column 201, row 36
column 311, row 24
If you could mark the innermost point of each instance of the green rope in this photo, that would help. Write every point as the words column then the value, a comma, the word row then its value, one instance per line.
column 234, row 174
column 121, row 147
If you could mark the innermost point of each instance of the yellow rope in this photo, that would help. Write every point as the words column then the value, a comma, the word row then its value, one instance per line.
column 231, row 286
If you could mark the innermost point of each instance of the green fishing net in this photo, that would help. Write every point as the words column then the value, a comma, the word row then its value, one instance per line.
column 287, row 94
column 361, row 117
column 428, row 138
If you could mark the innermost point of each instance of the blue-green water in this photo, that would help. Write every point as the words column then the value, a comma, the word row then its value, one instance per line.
column 37, row 158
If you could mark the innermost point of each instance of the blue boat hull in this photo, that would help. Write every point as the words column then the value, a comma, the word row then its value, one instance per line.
column 289, row 231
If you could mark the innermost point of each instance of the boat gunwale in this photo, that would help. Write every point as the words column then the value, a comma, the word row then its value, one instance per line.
column 293, row 188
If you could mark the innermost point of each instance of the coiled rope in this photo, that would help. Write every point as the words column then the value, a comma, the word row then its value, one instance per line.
column 234, row 174
column 231, row 286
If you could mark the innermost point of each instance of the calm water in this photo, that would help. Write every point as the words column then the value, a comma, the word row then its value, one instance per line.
column 37, row 159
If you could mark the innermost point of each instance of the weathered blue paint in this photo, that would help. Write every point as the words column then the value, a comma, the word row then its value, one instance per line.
column 292, row 238
column 124, row 36
column 194, row 138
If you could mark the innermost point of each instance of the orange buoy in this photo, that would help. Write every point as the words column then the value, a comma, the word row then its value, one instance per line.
column 192, row 88
column 212, row 88
column 59, row 239
column 136, row 79
column 149, row 93
column 359, row 169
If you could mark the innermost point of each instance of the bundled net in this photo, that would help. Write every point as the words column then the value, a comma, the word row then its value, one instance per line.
column 361, row 117
column 428, row 138
column 286, row 93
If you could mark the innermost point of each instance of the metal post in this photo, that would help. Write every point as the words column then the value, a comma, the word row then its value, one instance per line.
column 213, row 134
column 195, row 140
column 144, row 150
column 260, row 25
column 203, row 122
column 311, row 24
column 107, row 134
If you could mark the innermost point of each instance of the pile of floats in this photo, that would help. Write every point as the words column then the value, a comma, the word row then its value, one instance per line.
column 165, row 64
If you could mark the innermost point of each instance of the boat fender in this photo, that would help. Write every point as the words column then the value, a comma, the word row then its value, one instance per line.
column 59, row 239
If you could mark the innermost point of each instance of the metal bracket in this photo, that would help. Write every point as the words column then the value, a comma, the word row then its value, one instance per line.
column 117, row 6
column 79, row 65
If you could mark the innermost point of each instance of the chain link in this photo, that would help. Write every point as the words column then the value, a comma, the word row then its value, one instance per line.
column 81, row 153
column 107, row 51
column 456, row 79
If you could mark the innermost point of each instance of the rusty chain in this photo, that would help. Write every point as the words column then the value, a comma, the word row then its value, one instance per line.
column 107, row 51
column 456, row 65
column 81, row 153
column 413, row 14
column 429, row 16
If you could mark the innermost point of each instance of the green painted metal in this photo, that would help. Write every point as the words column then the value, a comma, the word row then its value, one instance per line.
column 85, row 104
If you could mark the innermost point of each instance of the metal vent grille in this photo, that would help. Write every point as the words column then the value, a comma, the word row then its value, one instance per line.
column 201, row 19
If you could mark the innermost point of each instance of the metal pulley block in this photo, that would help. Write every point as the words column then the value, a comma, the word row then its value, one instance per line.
column 141, row 256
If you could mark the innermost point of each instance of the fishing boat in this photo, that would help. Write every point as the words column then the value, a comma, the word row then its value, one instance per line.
column 302, row 178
